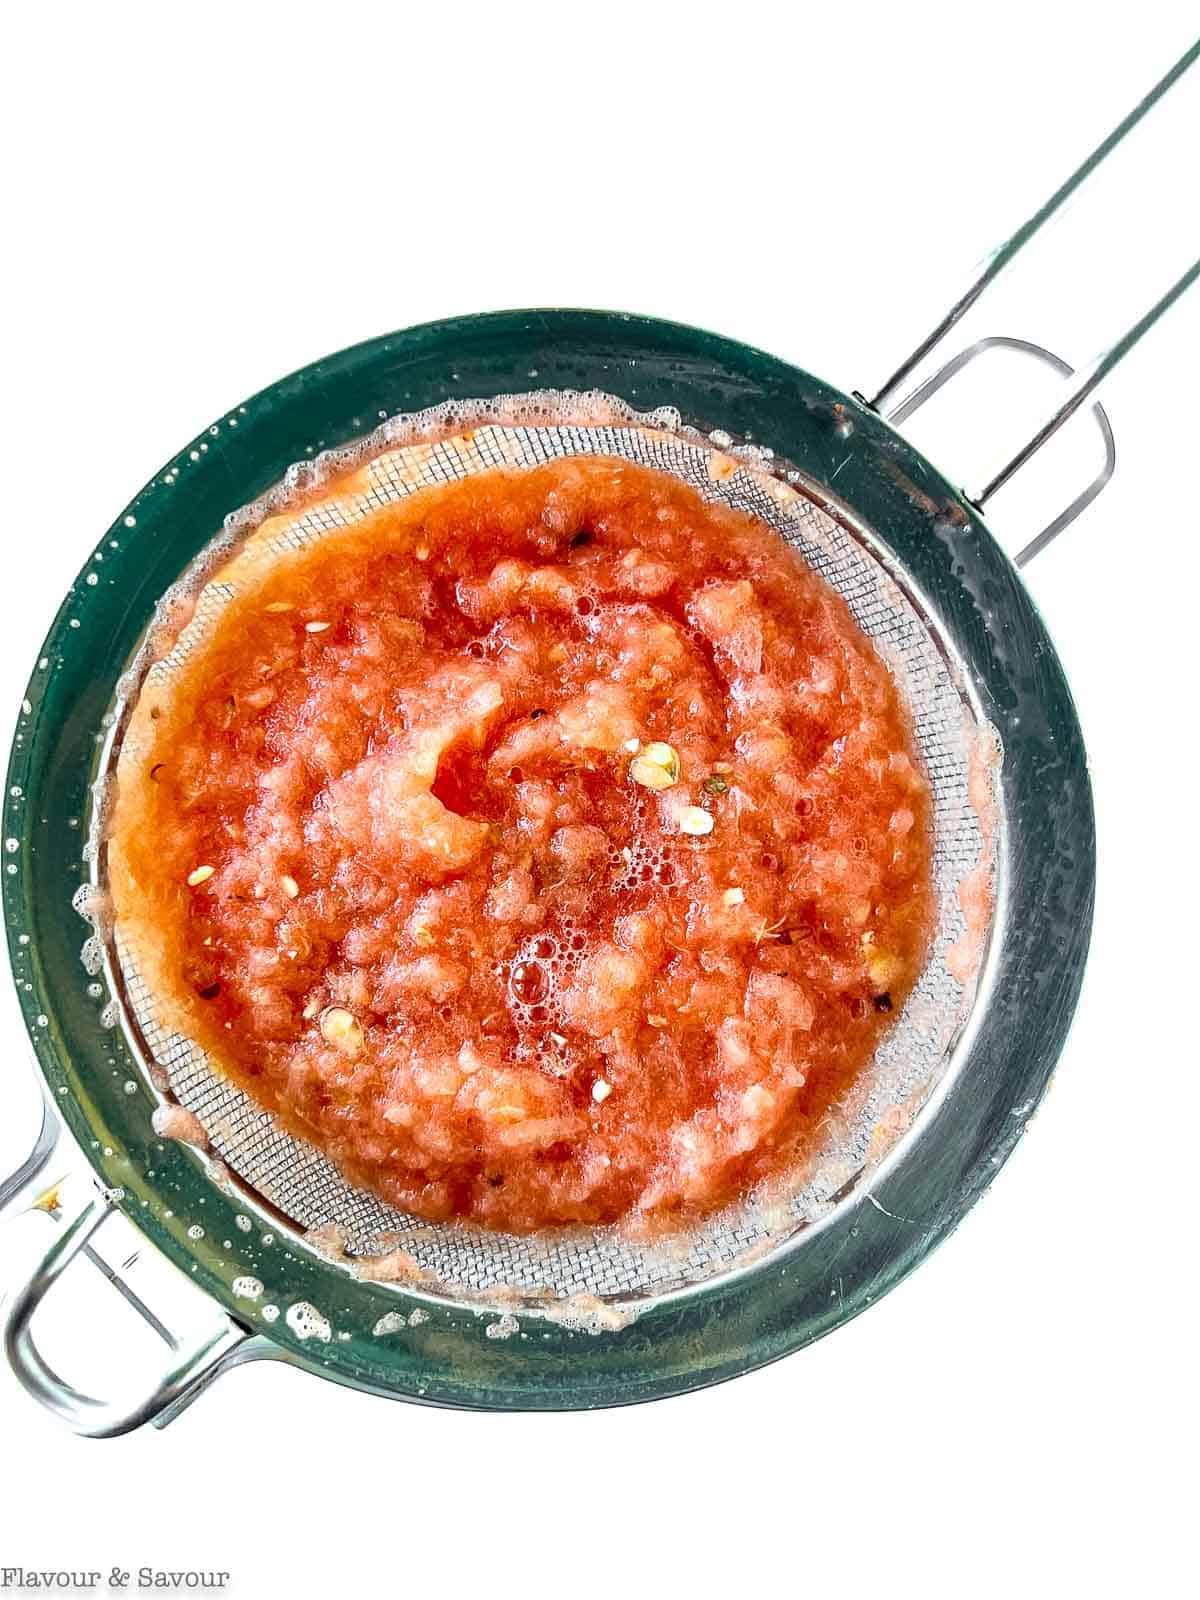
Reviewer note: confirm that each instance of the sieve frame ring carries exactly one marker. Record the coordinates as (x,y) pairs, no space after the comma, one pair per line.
(1003,1059)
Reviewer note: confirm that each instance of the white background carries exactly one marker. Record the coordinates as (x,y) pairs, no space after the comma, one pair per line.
(200,199)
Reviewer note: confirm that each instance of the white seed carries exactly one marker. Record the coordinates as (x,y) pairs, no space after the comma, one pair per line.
(199,876)
(289,886)
(341,1029)
(733,897)
(601,1090)
(316,627)
(632,745)
(311,1009)
(656,766)
(694,820)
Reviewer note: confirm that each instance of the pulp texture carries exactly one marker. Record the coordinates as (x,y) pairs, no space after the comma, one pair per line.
(549,847)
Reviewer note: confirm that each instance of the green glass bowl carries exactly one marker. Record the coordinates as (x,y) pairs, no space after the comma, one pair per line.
(825,1275)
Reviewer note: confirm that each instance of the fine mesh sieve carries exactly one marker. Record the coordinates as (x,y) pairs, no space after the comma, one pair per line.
(451,442)
(966,1063)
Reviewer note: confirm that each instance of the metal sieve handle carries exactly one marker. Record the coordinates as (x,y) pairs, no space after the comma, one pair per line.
(191,1364)
(1083,383)
(1080,503)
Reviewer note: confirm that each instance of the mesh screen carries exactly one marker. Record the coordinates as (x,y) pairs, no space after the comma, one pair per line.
(452,442)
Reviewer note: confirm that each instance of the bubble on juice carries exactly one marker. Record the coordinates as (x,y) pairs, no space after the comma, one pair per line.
(306,1322)
(539,974)
(390,1322)
(535,978)
(641,863)
(529,981)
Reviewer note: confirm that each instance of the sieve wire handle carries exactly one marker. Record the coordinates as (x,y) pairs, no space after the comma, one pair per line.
(1081,384)
(191,1362)
(951,368)
(1004,255)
